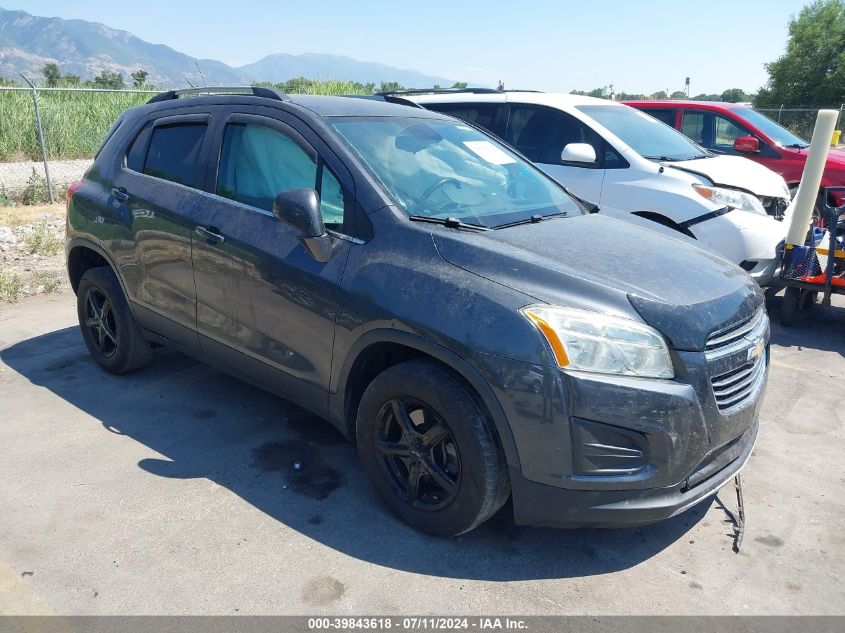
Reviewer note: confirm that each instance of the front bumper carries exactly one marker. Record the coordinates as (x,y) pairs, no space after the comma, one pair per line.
(541,505)
(765,271)
(612,450)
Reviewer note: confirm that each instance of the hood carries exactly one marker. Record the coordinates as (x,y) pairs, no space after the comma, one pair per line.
(614,267)
(736,172)
(835,157)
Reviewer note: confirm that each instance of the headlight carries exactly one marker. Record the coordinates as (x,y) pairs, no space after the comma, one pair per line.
(731,198)
(591,341)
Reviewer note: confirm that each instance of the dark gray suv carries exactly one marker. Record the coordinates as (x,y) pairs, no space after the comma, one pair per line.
(429,292)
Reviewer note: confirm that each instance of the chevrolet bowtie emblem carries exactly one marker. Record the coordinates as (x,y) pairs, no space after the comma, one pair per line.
(757,351)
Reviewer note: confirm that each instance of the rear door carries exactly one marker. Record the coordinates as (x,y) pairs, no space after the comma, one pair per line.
(157,187)
(541,133)
(266,307)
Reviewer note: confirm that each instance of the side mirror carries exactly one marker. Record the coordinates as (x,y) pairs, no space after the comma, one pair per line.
(746,144)
(578,153)
(301,209)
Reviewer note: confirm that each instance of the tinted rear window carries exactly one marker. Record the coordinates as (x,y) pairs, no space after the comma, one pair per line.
(174,153)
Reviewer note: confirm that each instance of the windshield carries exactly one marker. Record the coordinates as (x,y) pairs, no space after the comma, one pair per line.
(774,131)
(644,134)
(446,169)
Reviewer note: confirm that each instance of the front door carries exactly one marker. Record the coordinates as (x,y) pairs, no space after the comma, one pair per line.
(541,133)
(265,306)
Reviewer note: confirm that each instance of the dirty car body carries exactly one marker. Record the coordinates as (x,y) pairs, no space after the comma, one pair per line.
(412,271)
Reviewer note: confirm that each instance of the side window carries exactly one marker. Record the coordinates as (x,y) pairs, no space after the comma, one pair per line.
(542,133)
(331,200)
(174,153)
(257,162)
(481,114)
(726,133)
(699,127)
(662,114)
(138,150)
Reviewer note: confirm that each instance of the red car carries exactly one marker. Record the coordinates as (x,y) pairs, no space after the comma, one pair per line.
(735,128)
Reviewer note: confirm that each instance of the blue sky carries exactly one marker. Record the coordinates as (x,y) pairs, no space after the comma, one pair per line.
(555,45)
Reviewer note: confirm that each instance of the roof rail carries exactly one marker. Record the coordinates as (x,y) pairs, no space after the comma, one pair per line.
(387,98)
(429,91)
(254,91)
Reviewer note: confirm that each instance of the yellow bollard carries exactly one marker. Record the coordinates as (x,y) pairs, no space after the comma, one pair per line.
(835,140)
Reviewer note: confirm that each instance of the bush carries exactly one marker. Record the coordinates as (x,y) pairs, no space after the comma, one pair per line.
(42,241)
(10,287)
(35,191)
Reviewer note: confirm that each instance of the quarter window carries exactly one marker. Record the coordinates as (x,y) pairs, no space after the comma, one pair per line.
(174,153)
(482,114)
(258,162)
(667,116)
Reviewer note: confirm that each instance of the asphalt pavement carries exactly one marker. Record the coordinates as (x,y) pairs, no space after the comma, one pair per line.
(173,490)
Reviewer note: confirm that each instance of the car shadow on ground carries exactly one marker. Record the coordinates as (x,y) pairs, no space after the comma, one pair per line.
(299,470)
(815,327)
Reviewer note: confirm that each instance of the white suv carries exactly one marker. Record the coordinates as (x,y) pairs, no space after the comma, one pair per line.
(627,162)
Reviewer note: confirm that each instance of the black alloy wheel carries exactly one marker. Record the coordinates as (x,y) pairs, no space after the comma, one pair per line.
(418,453)
(100,319)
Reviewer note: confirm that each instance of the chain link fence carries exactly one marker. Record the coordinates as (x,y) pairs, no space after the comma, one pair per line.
(47,124)
(800,121)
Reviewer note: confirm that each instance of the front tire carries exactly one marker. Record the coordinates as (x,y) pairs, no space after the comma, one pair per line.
(430,449)
(109,330)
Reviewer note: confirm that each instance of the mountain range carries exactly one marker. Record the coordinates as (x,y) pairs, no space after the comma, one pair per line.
(84,48)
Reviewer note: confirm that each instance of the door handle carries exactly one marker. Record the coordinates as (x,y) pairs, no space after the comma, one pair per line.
(210,234)
(120,194)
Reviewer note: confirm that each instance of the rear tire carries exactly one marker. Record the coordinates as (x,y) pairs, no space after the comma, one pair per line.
(430,450)
(109,330)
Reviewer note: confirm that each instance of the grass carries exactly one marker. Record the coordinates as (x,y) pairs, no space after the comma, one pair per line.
(42,242)
(47,279)
(74,123)
(19,215)
(10,287)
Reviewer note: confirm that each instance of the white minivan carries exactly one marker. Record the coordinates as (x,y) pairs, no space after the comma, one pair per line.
(625,161)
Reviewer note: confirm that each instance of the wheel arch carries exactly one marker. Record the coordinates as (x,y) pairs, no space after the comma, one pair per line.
(83,255)
(379,349)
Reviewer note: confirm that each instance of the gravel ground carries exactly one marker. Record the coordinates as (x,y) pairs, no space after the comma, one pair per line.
(31,251)
(14,176)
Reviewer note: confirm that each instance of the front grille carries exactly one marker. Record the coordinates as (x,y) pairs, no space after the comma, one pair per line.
(737,336)
(734,388)
(737,356)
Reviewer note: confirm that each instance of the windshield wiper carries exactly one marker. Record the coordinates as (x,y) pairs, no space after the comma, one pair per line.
(798,145)
(667,159)
(534,219)
(452,223)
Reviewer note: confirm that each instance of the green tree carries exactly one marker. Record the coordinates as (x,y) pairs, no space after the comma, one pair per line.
(52,74)
(139,78)
(734,95)
(812,70)
(660,94)
(678,94)
(707,97)
(70,81)
(460,85)
(109,79)
(390,86)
